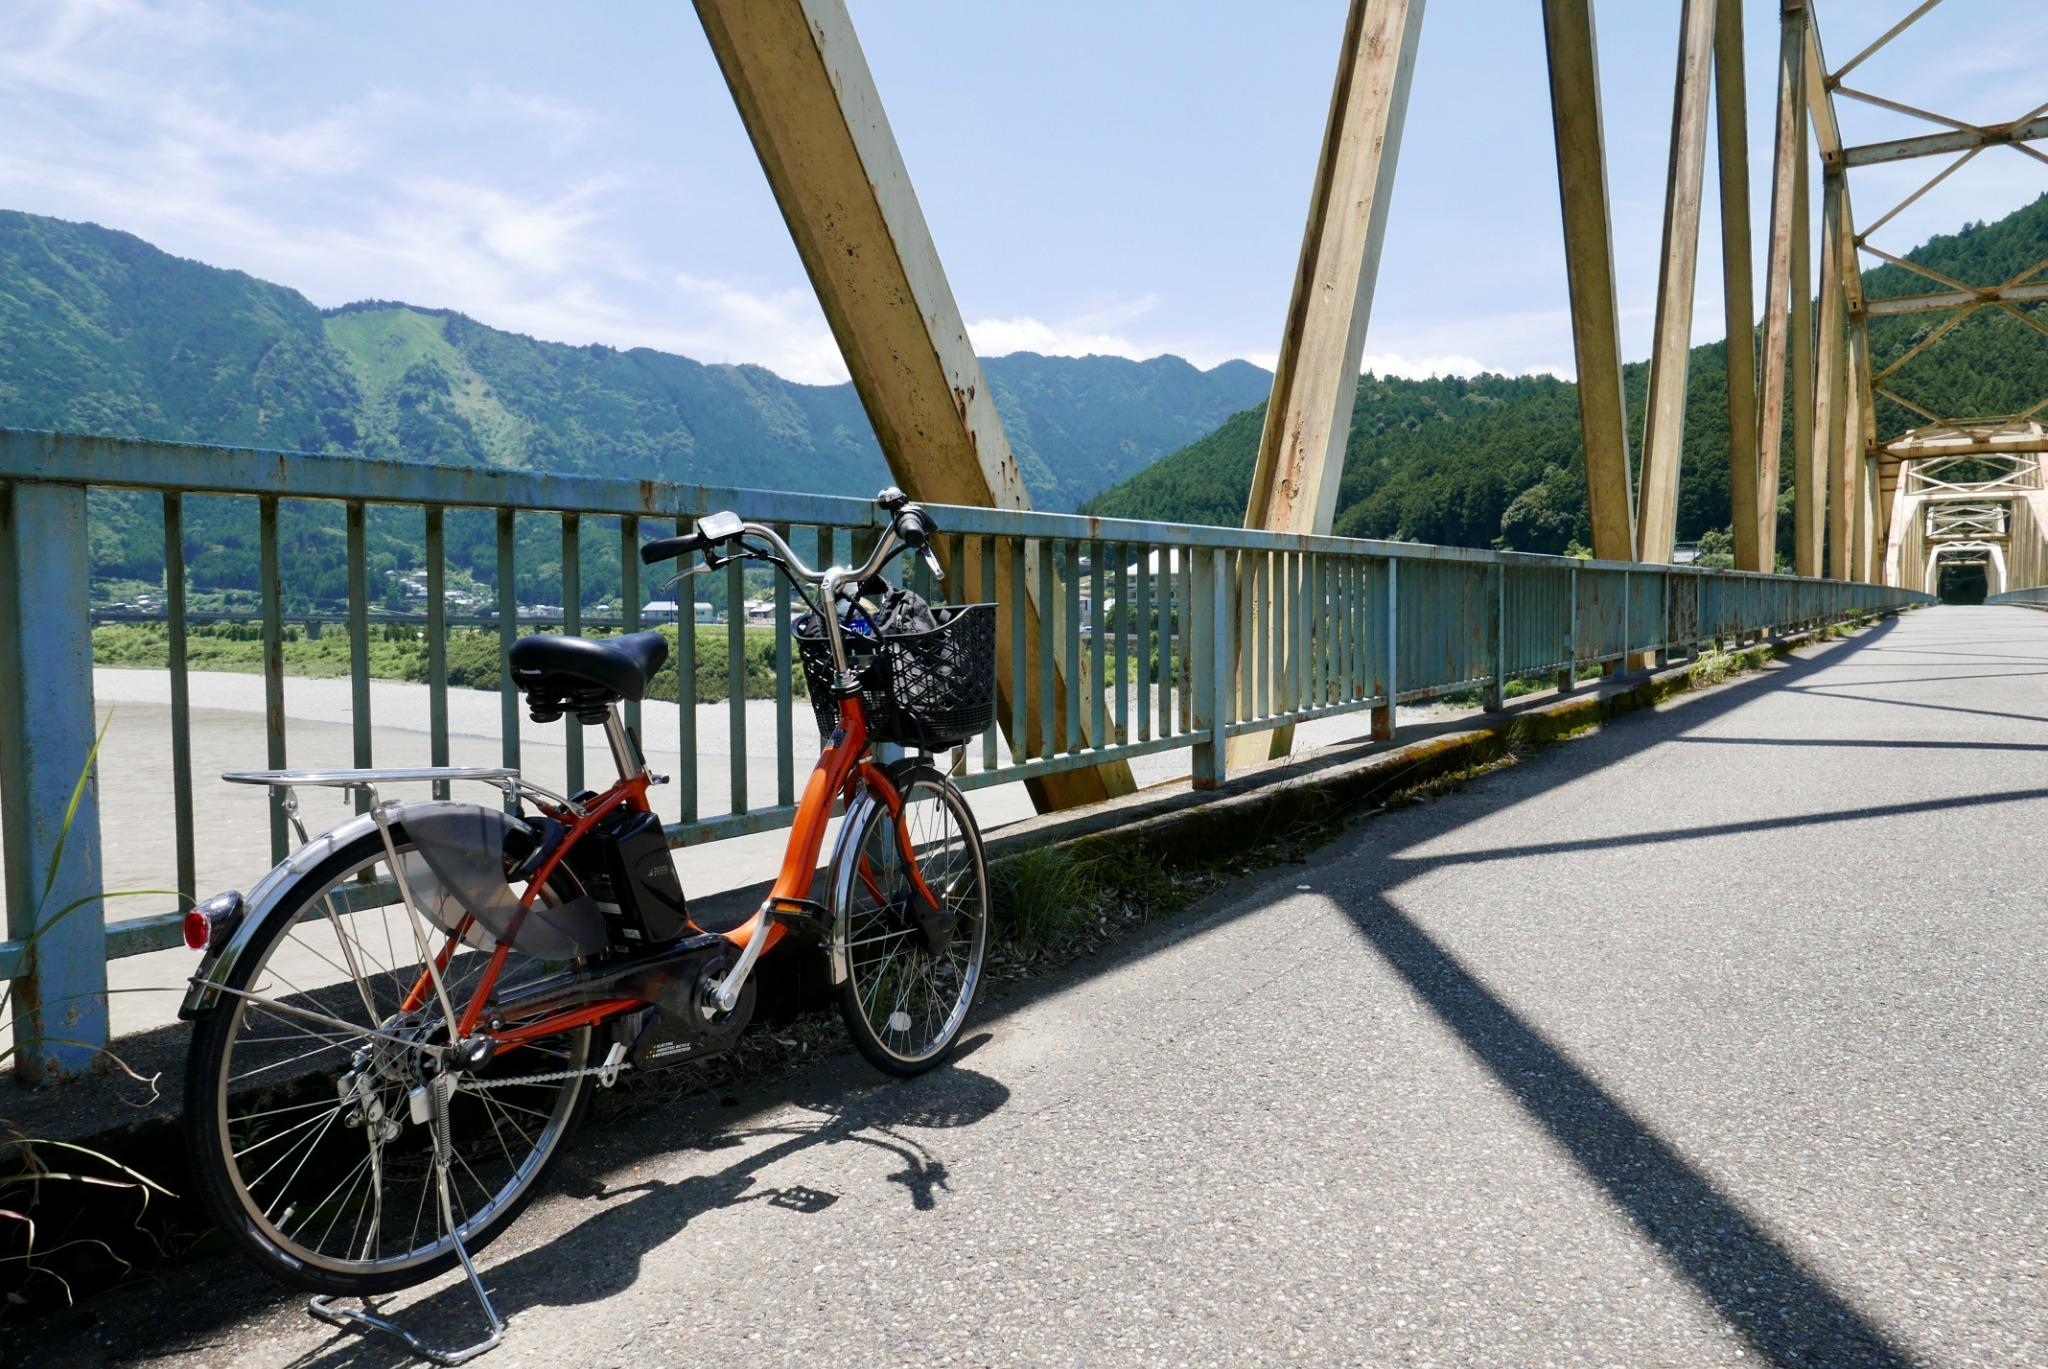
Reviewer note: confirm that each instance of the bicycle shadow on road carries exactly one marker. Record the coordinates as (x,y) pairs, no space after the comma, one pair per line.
(601,1256)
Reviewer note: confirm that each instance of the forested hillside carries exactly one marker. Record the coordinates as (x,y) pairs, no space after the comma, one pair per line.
(1496,460)
(108,335)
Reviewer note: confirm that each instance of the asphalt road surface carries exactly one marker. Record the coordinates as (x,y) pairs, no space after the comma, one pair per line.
(1715,1037)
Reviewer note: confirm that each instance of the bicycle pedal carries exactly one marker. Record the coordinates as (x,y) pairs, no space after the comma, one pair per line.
(801,915)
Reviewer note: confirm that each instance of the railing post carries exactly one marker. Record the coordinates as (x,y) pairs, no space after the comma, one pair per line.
(1212,662)
(1664,646)
(1568,678)
(1627,660)
(1496,692)
(1383,716)
(60,1004)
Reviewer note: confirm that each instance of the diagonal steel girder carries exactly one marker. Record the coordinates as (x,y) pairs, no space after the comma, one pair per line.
(815,116)
(1322,345)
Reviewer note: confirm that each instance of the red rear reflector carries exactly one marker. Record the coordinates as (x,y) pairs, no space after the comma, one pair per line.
(198,927)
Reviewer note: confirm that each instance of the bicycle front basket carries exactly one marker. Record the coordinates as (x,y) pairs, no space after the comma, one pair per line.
(927,690)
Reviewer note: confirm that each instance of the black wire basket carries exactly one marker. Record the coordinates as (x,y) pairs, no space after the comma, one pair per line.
(928,690)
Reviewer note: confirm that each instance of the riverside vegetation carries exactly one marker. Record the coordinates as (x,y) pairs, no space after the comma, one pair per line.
(399,652)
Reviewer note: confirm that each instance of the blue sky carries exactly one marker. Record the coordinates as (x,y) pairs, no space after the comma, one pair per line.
(1110,177)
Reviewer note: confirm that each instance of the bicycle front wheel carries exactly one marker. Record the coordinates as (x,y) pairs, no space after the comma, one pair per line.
(911,928)
(307,1088)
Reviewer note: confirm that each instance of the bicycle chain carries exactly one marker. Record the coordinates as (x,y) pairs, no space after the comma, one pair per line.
(479,1085)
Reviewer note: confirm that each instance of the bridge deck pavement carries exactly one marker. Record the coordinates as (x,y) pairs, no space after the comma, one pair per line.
(1714,1037)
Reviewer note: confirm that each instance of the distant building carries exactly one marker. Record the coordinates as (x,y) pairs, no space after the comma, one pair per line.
(707,612)
(659,611)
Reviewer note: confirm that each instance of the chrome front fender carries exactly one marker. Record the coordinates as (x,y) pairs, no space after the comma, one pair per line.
(839,881)
(260,902)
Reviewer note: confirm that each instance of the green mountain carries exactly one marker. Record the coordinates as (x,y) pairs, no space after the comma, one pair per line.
(106,334)
(1495,460)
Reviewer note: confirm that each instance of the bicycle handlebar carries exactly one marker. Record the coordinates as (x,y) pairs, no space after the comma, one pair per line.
(670,548)
(910,526)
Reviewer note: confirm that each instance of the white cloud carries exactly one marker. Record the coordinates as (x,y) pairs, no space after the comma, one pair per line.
(1001,336)
(1098,332)
(119,115)
(1395,365)
(127,113)
(784,330)
(1421,368)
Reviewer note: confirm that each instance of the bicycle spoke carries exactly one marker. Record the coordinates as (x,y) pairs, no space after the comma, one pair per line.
(295,1127)
(332,1198)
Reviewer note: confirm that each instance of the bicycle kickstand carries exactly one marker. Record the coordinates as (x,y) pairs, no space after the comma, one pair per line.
(323,1306)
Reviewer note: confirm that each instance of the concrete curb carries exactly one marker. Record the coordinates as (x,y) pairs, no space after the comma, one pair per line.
(1285,794)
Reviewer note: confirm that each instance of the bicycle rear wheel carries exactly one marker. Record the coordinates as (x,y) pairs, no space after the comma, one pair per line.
(307,1137)
(913,965)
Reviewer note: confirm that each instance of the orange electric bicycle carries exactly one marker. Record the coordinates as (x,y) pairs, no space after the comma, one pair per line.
(399,1028)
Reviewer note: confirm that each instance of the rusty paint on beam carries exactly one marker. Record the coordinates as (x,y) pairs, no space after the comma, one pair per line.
(1955,140)
(1739,313)
(1788,146)
(1832,393)
(1322,345)
(1574,69)
(1664,428)
(1809,500)
(816,120)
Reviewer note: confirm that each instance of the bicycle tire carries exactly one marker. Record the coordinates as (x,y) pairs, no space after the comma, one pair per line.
(208,1129)
(873,908)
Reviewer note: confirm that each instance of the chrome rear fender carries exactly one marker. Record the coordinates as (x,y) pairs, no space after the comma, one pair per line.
(259,904)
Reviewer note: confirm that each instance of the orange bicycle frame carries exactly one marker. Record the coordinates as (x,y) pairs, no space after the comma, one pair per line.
(842,768)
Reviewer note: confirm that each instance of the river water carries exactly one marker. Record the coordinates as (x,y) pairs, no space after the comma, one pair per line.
(138,833)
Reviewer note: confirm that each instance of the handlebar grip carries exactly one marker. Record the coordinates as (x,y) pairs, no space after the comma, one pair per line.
(669,548)
(914,526)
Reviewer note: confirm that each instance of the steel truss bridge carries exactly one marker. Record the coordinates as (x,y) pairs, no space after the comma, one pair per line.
(1223,639)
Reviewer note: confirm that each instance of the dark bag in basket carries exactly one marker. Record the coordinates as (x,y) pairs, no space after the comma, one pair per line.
(928,677)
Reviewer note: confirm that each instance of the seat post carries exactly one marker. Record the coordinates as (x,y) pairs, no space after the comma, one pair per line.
(623,751)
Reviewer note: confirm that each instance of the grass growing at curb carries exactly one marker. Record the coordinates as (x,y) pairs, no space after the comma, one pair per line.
(37,1253)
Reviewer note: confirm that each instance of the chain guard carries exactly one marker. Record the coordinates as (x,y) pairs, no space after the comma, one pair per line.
(683,1023)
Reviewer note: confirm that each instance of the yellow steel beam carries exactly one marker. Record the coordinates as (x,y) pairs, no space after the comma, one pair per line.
(2015,134)
(1315,380)
(1671,352)
(811,107)
(2026,292)
(1855,495)
(1832,397)
(1788,148)
(1732,122)
(1589,269)
(1809,500)
(1820,104)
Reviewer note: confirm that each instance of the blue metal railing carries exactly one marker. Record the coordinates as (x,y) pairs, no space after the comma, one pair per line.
(1155,637)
